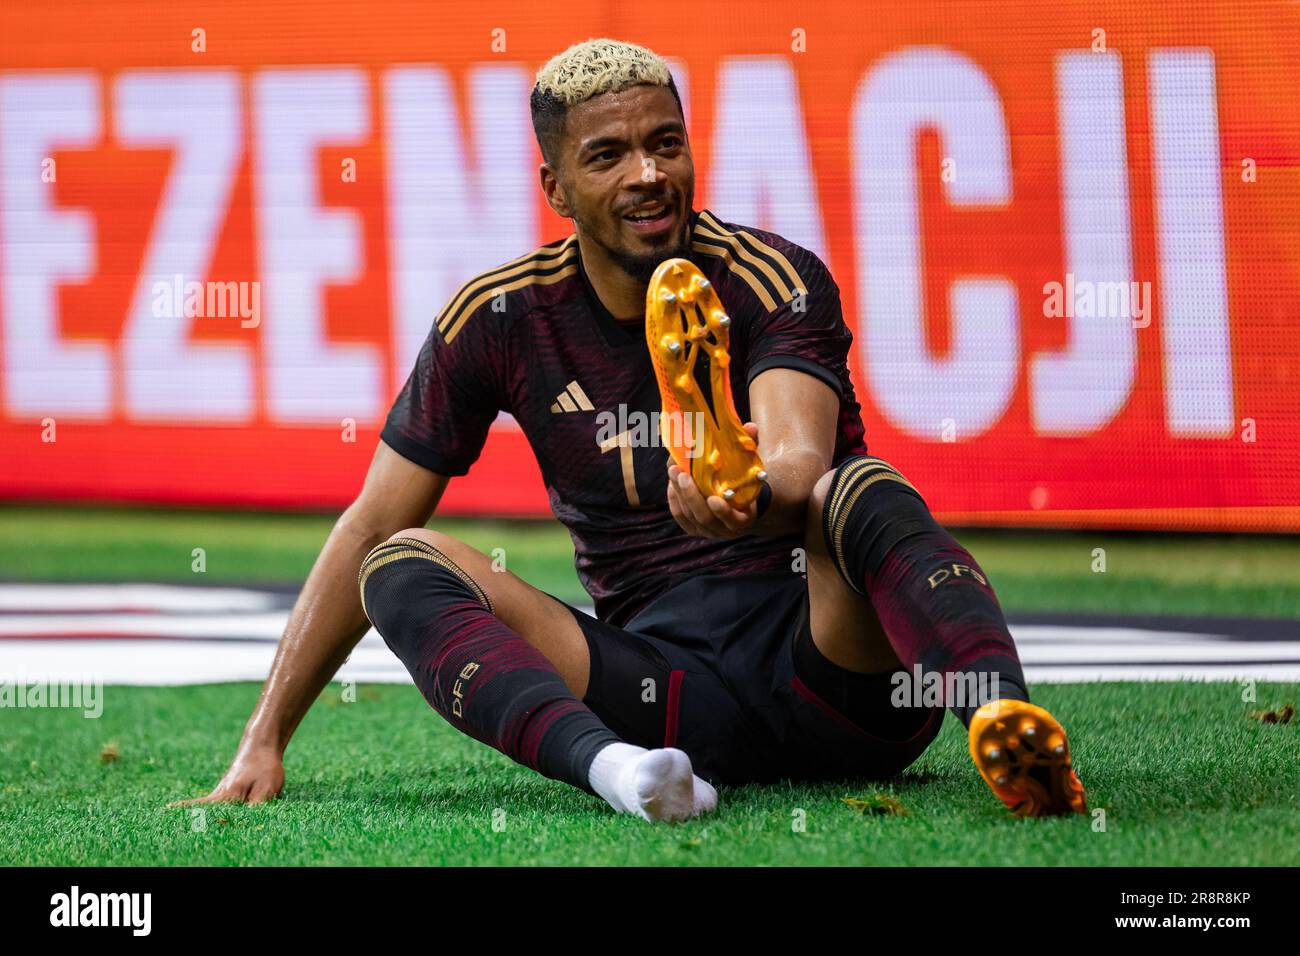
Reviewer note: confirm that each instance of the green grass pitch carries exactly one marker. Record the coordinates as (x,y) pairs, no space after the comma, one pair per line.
(1240,575)
(1182,773)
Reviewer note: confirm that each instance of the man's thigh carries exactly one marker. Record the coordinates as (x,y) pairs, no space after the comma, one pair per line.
(534,615)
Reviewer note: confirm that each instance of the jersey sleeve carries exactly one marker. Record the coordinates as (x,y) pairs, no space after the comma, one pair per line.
(440,419)
(806,333)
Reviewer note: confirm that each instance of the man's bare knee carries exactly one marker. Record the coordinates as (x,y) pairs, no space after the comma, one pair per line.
(816,507)
(465,558)
(443,542)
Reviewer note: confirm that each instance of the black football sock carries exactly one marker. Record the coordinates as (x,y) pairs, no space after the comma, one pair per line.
(933,600)
(486,680)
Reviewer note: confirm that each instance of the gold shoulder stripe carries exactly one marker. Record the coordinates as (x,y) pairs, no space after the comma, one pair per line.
(546,252)
(532,278)
(724,253)
(738,248)
(762,248)
(537,259)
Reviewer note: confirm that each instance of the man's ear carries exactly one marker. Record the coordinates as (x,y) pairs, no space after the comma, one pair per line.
(553,191)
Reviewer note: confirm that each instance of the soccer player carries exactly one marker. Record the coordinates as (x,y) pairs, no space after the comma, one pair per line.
(729,645)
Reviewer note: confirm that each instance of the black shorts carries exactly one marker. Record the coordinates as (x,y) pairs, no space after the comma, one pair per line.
(709,667)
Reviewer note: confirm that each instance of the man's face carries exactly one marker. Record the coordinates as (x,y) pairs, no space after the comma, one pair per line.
(627,173)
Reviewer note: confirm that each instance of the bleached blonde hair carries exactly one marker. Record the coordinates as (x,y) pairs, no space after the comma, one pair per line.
(589,69)
(593,67)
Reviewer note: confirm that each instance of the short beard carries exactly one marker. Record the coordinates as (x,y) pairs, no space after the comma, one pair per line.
(640,267)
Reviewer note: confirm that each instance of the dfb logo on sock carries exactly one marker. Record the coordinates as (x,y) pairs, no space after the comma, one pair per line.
(943,574)
(457,692)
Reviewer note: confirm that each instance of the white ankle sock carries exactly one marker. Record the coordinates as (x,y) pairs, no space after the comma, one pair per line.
(653,784)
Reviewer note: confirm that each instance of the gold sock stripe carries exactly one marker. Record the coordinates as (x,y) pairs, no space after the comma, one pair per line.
(762,248)
(450,565)
(377,552)
(837,512)
(849,475)
(399,548)
(837,533)
(373,564)
(844,480)
(481,288)
(844,500)
(751,280)
(852,481)
(845,477)
(570,269)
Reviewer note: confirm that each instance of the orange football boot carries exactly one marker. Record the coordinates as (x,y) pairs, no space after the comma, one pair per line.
(1022,754)
(685,318)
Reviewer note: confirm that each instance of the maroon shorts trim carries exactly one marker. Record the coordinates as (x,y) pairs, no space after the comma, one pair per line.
(807,693)
(674,707)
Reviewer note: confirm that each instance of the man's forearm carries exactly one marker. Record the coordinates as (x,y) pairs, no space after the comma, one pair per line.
(325,625)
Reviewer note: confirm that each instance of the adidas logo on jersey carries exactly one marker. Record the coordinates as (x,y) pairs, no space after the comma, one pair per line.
(572,399)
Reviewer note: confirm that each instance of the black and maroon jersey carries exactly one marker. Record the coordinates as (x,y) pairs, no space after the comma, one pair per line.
(532,338)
